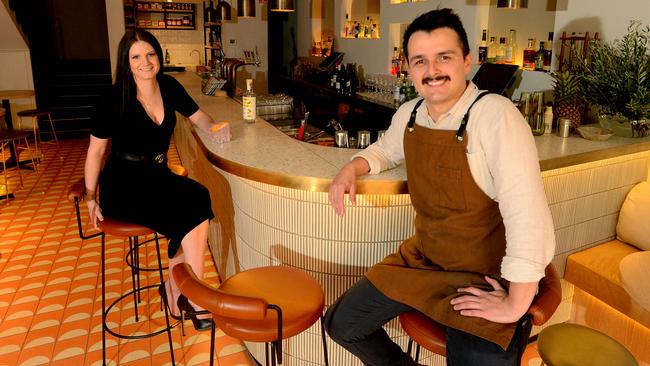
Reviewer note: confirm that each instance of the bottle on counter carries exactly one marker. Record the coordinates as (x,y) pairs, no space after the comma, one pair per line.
(492,51)
(529,55)
(548,52)
(548,119)
(249,103)
(168,58)
(539,57)
(511,48)
(483,48)
(501,51)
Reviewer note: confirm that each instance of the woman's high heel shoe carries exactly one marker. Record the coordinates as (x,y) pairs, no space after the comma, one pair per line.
(162,291)
(187,311)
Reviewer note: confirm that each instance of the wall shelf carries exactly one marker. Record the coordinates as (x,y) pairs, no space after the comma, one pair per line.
(159,15)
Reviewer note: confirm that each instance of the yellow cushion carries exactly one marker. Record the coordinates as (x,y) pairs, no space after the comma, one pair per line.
(596,271)
(635,276)
(634,219)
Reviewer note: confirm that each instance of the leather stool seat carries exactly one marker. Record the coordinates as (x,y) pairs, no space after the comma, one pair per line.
(116,227)
(424,331)
(573,344)
(240,305)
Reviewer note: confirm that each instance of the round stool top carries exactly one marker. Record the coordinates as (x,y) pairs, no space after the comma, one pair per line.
(575,345)
(33,113)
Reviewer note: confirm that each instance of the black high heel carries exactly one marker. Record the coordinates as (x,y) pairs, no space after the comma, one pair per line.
(187,311)
(162,291)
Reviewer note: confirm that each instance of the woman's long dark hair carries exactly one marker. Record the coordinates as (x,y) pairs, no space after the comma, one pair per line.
(124,83)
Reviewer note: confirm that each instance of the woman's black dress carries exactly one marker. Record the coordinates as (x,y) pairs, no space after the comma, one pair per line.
(136,187)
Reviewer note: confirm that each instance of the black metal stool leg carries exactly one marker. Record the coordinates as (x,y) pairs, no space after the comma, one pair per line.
(136,245)
(213,331)
(162,281)
(103,300)
(417,352)
(322,333)
(135,287)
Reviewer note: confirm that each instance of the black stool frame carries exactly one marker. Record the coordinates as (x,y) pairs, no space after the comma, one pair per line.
(133,245)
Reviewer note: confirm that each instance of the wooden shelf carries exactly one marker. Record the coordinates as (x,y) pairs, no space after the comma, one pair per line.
(161,14)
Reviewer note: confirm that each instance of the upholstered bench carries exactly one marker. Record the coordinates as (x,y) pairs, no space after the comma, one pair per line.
(616,272)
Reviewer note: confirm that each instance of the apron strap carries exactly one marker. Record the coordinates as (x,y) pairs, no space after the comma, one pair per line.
(409,126)
(463,125)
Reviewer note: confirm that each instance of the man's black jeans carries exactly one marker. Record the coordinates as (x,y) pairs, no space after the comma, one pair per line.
(355,322)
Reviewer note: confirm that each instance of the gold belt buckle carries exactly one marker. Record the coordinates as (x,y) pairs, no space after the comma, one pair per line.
(159,159)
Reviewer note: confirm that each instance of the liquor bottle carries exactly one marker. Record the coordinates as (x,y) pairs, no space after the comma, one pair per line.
(249,103)
(482,48)
(346,32)
(548,119)
(168,57)
(394,65)
(501,51)
(354,80)
(529,55)
(548,52)
(403,64)
(511,48)
(539,57)
(492,51)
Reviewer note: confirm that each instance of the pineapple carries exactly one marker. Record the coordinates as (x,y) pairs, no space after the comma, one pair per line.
(568,96)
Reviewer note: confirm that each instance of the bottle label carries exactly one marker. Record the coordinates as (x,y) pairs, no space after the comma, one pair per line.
(250,108)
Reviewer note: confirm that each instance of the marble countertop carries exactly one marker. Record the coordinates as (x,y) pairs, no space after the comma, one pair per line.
(259,151)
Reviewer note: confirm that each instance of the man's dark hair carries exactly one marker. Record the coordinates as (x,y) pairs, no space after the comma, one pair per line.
(439,18)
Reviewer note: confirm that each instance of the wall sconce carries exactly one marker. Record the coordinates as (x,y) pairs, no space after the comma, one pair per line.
(223,11)
(282,5)
(512,4)
(246,8)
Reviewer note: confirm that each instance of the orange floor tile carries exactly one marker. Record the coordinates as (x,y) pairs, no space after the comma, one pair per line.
(50,287)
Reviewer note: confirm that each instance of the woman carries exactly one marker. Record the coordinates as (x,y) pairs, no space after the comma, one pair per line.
(136,184)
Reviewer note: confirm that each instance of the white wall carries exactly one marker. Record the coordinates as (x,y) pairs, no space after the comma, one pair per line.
(15,64)
(115,29)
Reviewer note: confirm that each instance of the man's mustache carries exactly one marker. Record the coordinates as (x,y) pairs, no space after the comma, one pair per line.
(427,79)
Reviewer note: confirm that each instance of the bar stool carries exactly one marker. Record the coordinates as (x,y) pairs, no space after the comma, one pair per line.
(240,305)
(131,231)
(10,137)
(432,335)
(572,344)
(35,114)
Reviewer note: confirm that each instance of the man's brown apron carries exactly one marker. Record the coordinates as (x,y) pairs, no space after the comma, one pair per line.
(459,234)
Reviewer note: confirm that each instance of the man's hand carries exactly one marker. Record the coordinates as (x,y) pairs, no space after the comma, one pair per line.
(497,306)
(345,181)
(95,212)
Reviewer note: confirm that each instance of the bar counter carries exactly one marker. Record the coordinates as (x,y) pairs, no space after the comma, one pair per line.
(269,195)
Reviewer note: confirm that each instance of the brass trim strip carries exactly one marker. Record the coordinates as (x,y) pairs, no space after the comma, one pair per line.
(298,182)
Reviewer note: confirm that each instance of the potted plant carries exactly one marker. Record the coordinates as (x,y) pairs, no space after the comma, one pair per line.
(616,77)
(568,97)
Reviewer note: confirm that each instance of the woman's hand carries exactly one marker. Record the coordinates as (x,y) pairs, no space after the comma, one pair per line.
(497,306)
(220,132)
(95,212)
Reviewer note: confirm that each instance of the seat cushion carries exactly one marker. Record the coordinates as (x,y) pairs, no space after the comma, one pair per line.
(634,217)
(596,271)
(299,295)
(635,276)
(424,331)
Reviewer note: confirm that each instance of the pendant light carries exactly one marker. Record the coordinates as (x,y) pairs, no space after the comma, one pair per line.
(282,5)
(246,8)
(223,11)
(512,4)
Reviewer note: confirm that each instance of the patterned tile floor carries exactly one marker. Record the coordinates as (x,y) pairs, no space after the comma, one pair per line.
(50,294)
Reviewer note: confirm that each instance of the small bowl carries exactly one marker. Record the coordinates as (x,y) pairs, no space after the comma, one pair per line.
(595,133)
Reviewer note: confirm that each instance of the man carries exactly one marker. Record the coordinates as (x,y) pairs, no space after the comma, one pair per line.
(484,233)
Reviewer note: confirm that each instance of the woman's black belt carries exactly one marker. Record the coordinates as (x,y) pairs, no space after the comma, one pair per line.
(142,159)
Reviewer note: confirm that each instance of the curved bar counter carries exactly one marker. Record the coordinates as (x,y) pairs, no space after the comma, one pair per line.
(269,195)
